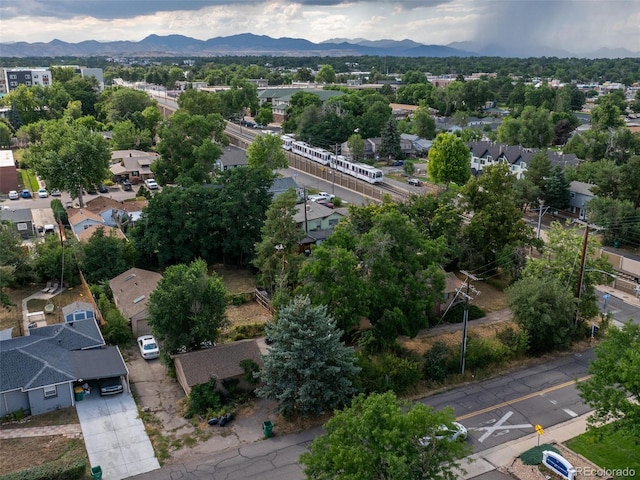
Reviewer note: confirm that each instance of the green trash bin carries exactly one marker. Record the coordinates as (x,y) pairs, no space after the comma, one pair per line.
(267,428)
(79,392)
(96,473)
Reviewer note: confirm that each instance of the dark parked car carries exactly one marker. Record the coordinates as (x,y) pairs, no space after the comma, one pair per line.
(103,189)
(416,182)
(110,386)
(126,186)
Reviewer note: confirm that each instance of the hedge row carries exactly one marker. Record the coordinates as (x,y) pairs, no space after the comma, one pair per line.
(63,469)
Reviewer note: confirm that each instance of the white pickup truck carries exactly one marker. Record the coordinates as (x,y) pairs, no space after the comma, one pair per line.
(320,196)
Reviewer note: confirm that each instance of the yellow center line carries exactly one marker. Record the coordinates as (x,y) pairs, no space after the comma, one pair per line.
(525,397)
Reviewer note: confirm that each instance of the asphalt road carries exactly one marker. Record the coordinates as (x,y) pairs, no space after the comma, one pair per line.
(620,310)
(495,411)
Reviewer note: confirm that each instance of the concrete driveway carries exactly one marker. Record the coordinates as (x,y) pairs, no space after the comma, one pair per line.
(114,436)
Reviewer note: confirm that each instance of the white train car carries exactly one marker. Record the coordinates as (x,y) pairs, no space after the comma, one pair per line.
(359,170)
(286,142)
(316,154)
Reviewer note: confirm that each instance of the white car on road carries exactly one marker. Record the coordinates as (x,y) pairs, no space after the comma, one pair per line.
(42,193)
(321,196)
(13,195)
(454,433)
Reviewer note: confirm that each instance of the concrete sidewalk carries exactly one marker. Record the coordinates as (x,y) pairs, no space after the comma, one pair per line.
(503,455)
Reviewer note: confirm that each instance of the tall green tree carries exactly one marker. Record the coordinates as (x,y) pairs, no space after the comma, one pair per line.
(308,370)
(539,169)
(121,103)
(449,159)
(390,430)
(356,146)
(423,123)
(14,260)
(189,146)
(187,308)
(606,114)
(390,142)
(544,309)
(612,390)
(49,264)
(556,189)
(326,74)
(70,157)
(277,255)
(94,254)
(125,135)
(266,152)
(561,260)
(496,226)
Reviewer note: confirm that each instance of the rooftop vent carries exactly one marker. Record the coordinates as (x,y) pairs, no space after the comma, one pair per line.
(129,277)
(139,299)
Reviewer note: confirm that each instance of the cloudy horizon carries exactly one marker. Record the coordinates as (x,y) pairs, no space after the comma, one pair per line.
(573,25)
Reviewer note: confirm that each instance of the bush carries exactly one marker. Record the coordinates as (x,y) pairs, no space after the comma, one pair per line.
(438,361)
(248,331)
(516,341)
(204,397)
(456,313)
(387,372)
(237,300)
(63,469)
(116,329)
(59,212)
(250,368)
(483,352)
(533,456)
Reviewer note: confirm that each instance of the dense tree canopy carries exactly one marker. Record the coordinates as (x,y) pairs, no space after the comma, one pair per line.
(391,431)
(307,369)
(187,308)
(105,256)
(612,389)
(449,160)
(70,157)
(189,146)
(219,223)
(266,152)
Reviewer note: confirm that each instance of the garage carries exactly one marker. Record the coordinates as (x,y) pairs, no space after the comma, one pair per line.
(114,435)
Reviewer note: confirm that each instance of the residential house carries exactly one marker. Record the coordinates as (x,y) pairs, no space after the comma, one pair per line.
(85,235)
(580,196)
(317,221)
(38,372)
(281,185)
(132,165)
(221,362)
(485,153)
(22,218)
(80,219)
(452,284)
(232,157)
(115,213)
(8,172)
(280,99)
(131,291)
(372,147)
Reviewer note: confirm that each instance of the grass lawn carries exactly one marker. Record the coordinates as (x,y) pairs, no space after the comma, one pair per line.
(29,180)
(609,449)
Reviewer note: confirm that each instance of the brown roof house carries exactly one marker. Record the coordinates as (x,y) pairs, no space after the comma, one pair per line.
(131,291)
(85,235)
(221,362)
(133,165)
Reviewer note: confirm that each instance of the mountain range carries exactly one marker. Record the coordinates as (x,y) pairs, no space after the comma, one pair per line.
(249,44)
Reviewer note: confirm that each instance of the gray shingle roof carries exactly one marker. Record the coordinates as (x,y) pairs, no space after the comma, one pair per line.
(221,361)
(42,358)
(516,154)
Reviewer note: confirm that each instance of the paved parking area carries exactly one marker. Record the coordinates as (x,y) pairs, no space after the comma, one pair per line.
(114,436)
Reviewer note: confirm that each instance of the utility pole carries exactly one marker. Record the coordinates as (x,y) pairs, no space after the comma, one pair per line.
(583,262)
(542,210)
(465,318)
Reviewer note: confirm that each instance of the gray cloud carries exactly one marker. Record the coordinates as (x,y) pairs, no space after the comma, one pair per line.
(112,9)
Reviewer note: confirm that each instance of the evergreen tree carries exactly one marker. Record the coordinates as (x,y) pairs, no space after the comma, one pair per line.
(308,369)
(557,193)
(390,143)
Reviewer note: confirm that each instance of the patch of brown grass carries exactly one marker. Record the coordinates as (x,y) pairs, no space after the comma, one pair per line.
(64,416)
(21,453)
(236,280)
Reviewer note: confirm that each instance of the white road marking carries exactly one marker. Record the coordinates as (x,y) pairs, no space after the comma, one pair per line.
(571,413)
(499,425)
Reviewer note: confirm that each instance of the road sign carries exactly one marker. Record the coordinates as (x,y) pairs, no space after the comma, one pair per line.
(539,429)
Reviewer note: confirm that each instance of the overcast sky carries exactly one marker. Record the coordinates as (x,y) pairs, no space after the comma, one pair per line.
(574,25)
